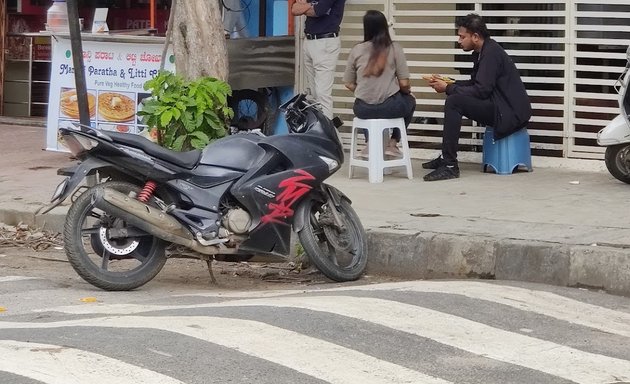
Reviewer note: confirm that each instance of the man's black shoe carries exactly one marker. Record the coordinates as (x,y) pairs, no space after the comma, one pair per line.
(434,164)
(444,172)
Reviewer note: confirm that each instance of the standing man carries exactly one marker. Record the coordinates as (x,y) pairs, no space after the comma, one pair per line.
(322,46)
(494,96)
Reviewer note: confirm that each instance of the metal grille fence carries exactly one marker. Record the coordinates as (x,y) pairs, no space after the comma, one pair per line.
(569,53)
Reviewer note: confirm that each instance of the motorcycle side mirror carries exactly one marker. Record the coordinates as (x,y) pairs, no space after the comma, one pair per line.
(292,102)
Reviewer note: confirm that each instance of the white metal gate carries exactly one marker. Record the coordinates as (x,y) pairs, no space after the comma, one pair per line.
(569,52)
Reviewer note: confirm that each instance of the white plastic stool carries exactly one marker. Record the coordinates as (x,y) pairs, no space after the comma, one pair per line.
(376,164)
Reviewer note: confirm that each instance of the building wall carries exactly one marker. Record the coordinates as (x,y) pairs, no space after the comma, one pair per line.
(570,54)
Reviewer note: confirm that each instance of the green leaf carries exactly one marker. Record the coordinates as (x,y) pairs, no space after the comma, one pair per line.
(198,144)
(221,132)
(176,113)
(179,142)
(201,136)
(148,108)
(213,120)
(227,112)
(166,118)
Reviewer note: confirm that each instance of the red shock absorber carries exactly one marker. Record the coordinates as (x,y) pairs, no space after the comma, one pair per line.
(147,191)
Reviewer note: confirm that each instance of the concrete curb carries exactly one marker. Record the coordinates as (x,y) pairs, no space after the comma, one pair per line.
(52,221)
(23,121)
(427,255)
(437,256)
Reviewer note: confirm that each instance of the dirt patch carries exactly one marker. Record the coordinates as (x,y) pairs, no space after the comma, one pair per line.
(178,274)
(28,252)
(52,264)
(24,236)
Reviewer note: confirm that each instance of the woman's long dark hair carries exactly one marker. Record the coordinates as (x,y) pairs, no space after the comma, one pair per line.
(376,30)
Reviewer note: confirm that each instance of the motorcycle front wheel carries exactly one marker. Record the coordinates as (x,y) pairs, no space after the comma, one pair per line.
(617,160)
(112,263)
(339,252)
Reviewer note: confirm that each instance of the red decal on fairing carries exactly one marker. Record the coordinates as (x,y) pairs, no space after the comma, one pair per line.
(293,190)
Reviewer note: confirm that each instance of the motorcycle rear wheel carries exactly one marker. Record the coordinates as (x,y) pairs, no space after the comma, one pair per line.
(111,264)
(340,254)
(617,160)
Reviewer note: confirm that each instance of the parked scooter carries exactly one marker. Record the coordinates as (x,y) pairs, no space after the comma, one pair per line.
(616,135)
(241,195)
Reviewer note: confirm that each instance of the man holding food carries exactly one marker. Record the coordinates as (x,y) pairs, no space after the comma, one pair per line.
(494,96)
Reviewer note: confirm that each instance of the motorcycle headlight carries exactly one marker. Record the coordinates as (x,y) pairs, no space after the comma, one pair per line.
(78,144)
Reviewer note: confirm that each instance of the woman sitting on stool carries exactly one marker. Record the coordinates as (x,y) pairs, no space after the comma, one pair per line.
(378,75)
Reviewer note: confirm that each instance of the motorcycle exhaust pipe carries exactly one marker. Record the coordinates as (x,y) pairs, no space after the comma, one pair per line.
(147,218)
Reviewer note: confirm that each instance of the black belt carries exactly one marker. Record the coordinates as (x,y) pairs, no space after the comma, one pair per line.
(321,35)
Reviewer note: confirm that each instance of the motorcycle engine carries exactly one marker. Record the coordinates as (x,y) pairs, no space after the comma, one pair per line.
(237,221)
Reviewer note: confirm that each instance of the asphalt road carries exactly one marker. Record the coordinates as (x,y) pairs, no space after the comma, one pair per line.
(54,328)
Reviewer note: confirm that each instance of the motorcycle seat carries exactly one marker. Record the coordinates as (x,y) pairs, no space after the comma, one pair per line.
(186,160)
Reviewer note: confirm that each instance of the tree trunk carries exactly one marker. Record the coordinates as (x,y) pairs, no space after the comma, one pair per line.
(199,40)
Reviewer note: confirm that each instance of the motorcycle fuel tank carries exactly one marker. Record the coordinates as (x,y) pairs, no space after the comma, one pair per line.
(238,152)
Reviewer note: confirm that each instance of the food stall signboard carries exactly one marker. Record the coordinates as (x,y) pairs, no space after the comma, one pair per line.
(115,75)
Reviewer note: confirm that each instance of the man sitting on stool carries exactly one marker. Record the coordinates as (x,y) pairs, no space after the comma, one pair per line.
(494,96)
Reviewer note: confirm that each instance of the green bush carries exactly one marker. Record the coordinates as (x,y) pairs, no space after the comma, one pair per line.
(186,114)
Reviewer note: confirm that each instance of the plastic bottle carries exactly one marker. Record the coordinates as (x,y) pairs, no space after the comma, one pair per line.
(57,18)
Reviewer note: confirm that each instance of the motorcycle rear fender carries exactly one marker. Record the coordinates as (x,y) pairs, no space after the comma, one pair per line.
(75,175)
(616,132)
(335,195)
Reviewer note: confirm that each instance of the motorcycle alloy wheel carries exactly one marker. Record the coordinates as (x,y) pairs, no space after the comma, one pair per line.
(617,160)
(112,264)
(339,253)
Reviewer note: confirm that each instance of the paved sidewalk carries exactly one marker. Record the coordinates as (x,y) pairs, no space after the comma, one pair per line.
(553,225)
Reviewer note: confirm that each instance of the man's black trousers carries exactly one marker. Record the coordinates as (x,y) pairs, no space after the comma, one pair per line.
(457,106)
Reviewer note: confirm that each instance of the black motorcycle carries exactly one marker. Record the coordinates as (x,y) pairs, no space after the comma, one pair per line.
(241,195)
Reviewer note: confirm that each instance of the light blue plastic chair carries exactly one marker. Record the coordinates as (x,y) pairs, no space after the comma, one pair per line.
(505,155)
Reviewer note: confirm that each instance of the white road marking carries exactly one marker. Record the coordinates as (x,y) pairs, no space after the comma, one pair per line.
(541,302)
(311,356)
(477,338)
(541,355)
(54,364)
(7,279)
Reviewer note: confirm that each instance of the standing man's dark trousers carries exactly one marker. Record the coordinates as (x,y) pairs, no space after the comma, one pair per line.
(456,107)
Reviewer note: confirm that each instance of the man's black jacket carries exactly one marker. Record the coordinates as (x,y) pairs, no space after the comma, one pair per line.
(495,77)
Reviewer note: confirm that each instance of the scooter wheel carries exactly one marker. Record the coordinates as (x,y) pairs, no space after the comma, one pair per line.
(617,160)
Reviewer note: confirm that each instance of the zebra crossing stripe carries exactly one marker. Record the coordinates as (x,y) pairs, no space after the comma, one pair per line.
(54,364)
(541,302)
(484,340)
(555,359)
(309,355)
